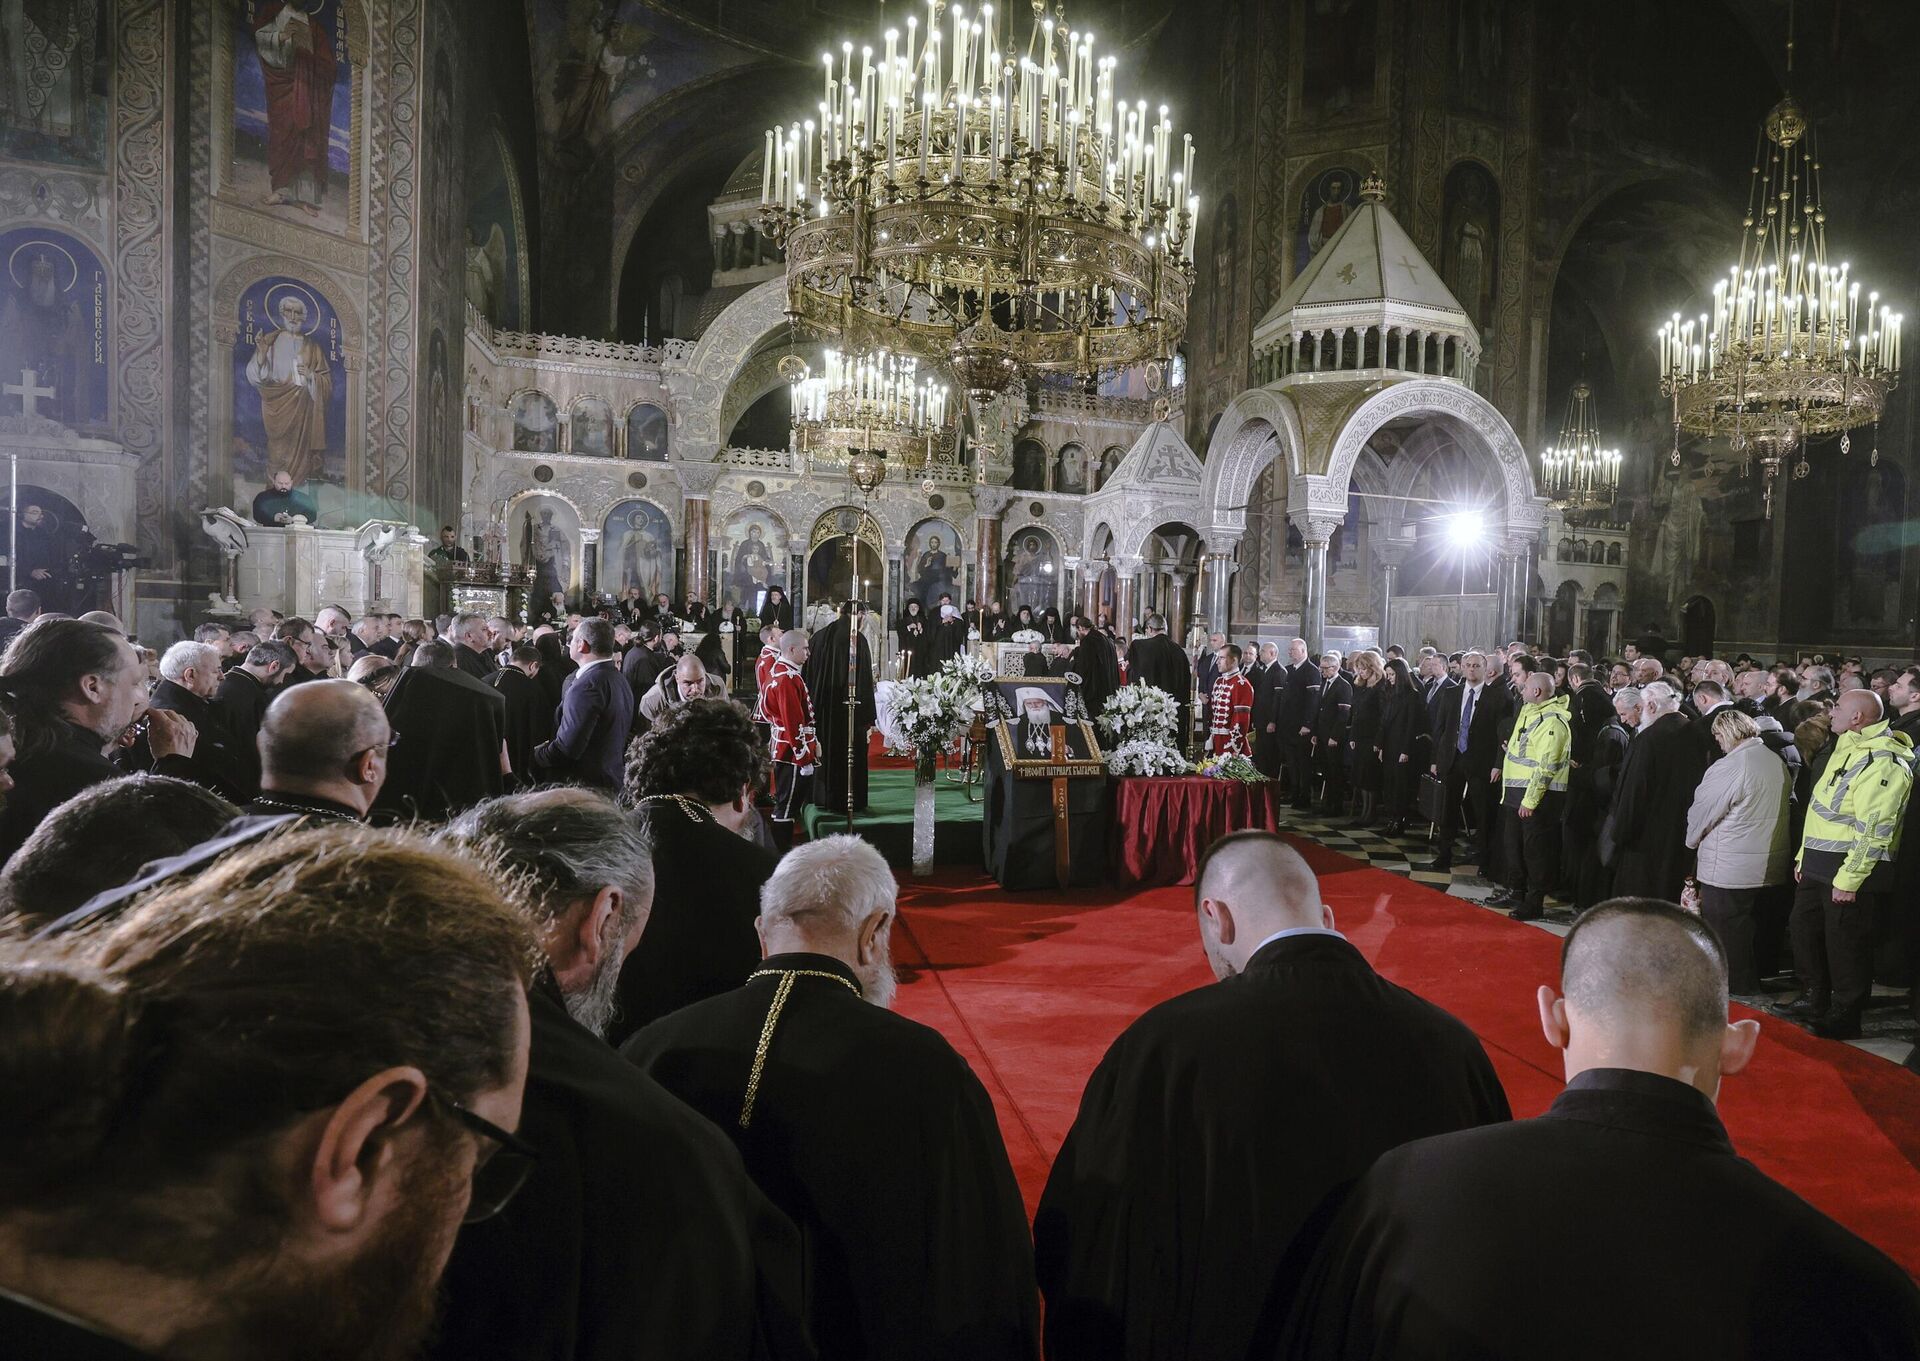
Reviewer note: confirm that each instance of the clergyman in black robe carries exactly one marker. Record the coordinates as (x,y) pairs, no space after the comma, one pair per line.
(528,716)
(699,939)
(677,1255)
(1094,662)
(1621,1223)
(1158,660)
(867,1128)
(1184,1202)
(448,732)
(826,677)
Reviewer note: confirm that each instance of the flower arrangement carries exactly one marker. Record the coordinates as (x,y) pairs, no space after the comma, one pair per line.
(1231,766)
(1140,712)
(1142,756)
(923,715)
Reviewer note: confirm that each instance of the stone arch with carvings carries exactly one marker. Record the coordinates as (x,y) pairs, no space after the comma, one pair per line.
(1159,479)
(727,347)
(1257,427)
(1474,422)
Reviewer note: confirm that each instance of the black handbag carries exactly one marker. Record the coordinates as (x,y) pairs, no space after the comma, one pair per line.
(1433,799)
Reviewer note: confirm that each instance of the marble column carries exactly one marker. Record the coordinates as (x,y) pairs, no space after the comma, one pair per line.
(1313,607)
(1125,570)
(1218,606)
(1092,571)
(1503,598)
(697,510)
(989,504)
(1177,609)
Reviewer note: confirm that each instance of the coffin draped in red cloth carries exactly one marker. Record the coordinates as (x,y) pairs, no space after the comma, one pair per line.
(1163,825)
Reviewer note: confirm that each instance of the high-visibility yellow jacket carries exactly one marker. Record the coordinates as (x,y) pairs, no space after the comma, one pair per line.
(1538,753)
(1853,818)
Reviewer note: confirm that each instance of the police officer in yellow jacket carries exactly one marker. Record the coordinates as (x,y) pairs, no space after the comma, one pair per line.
(1533,780)
(1846,864)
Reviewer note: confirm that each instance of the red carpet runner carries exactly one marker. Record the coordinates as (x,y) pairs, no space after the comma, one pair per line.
(1032,988)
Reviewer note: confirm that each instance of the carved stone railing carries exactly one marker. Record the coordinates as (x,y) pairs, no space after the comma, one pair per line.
(578,349)
(1092,406)
(777,460)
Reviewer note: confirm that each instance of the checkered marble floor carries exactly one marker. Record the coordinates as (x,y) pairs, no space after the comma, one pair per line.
(1890,1029)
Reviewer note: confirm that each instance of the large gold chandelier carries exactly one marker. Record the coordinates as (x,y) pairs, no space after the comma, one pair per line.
(1788,350)
(1576,471)
(992,210)
(867,408)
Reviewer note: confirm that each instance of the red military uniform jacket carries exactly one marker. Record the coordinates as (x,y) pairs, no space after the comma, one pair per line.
(762,673)
(1231,715)
(788,710)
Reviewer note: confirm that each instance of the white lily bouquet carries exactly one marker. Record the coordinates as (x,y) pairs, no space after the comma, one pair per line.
(1140,712)
(922,715)
(1142,756)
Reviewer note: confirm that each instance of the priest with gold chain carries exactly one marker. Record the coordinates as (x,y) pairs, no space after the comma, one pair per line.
(866,1128)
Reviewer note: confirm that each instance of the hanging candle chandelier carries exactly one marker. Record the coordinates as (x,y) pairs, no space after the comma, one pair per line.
(1788,349)
(997,209)
(866,408)
(1576,471)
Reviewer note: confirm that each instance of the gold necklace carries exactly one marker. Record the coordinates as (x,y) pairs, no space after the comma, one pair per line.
(694,811)
(780,994)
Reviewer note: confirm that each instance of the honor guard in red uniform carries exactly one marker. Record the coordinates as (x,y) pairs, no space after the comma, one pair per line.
(1231,711)
(787,709)
(763,668)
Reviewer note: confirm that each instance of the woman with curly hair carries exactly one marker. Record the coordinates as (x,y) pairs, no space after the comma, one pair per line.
(691,782)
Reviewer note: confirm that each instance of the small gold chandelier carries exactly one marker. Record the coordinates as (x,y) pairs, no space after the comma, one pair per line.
(1576,472)
(1787,350)
(977,207)
(865,408)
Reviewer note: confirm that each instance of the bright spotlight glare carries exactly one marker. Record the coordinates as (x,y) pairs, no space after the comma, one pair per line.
(1465,530)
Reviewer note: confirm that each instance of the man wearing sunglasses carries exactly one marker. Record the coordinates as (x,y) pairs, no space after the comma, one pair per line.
(639,1233)
(247,1117)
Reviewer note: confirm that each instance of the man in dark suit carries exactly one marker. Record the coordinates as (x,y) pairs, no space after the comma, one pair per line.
(1619,1223)
(637,1232)
(1293,720)
(1206,667)
(596,715)
(1469,726)
(1330,716)
(1159,661)
(1168,1229)
(1268,756)
(1663,768)
(645,660)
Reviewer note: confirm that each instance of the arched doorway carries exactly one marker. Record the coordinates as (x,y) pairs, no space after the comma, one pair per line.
(1601,614)
(843,551)
(1696,627)
(1170,575)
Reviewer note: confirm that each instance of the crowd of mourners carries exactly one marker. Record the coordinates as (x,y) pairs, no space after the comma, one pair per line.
(375,988)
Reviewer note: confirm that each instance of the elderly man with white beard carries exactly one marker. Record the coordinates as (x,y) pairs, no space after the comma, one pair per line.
(865,1127)
(638,1233)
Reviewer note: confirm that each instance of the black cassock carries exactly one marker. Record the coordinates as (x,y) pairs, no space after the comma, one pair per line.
(1619,1224)
(1093,661)
(445,752)
(529,719)
(699,939)
(1158,660)
(946,638)
(1649,820)
(880,1143)
(1211,1134)
(638,1236)
(826,677)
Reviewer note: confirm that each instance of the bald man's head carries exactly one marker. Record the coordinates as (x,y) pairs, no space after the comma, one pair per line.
(1250,885)
(1639,960)
(1539,688)
(1856,709)
(315,732)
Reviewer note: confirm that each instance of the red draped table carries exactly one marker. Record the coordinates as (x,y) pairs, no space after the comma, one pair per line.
(1162,825)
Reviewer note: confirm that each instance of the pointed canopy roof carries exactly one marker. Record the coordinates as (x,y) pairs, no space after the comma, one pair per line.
(1369,274)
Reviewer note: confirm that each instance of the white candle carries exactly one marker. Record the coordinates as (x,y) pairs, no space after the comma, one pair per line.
(766,170)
